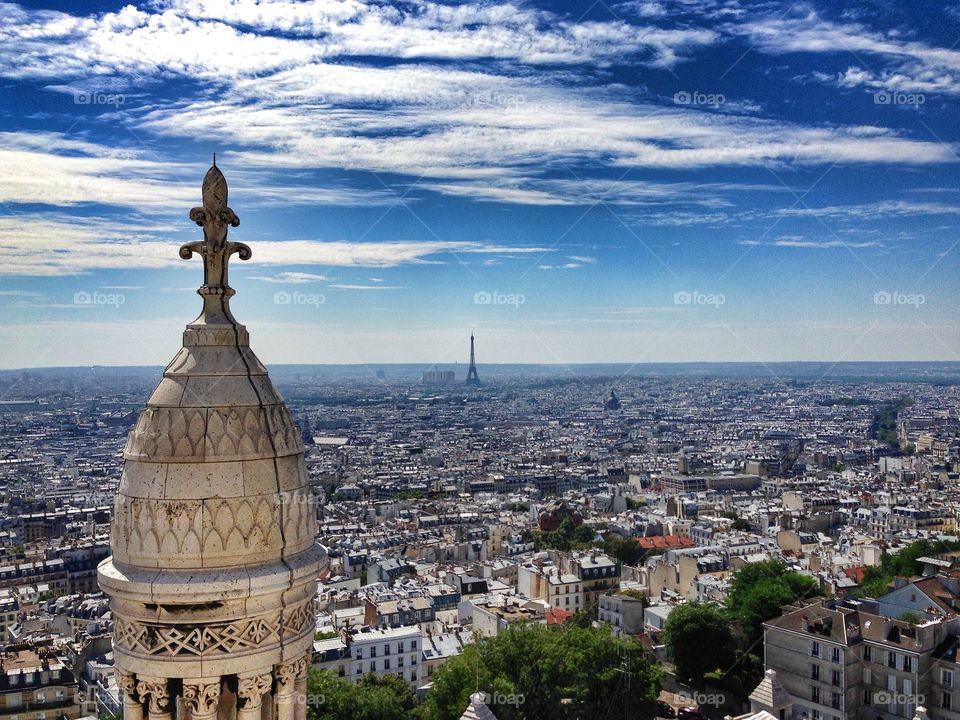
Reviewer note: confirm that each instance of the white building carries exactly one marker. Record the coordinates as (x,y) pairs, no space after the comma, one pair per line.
(387,651)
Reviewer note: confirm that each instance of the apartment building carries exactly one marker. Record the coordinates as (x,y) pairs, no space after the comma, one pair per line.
(36,685)
(386,651)
(842,663)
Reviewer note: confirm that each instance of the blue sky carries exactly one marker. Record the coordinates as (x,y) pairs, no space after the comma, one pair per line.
(650,180)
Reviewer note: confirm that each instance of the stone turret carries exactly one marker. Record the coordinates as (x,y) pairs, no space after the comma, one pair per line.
(212,579)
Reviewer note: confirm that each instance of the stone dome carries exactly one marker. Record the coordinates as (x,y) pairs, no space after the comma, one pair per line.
(214,558)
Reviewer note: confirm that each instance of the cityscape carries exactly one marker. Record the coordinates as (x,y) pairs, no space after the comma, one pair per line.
(572,361)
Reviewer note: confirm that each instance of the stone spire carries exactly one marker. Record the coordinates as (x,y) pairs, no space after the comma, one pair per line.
(212,580)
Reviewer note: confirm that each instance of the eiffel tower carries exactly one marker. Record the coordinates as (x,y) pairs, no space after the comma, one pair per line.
(472,377)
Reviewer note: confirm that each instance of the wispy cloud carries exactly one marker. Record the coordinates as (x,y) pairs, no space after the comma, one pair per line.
(295,278)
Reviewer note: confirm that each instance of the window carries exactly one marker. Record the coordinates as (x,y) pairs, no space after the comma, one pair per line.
(814,672)
(868,653)
(386,664)
(815,649)
(373,666)
(413,644)
(815,715)
(946,701)
(908,663)
(892,660)
(400,661)
(837,655)
(386,649)
(835,701)
(946,678)
(359,669)
(868,697)
(836,678)
(400,646)
(373,651)
(815,694)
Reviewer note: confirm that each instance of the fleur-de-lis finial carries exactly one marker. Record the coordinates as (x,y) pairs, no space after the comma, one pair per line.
(215,217)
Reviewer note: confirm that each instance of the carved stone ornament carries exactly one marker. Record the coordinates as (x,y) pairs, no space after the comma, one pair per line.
(252,689)
(157,692)
(288,673)
(201,698)
(127,682)
(215,218)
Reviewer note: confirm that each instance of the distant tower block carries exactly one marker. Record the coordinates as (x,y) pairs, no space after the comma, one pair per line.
(472,377)
(213,577)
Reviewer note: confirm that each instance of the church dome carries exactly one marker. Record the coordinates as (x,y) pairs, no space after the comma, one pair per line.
(214,558)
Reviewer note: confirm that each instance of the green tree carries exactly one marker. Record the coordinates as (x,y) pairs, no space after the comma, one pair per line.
(699,641)
(759,590)
(386,697)
(536,672)
(584,534)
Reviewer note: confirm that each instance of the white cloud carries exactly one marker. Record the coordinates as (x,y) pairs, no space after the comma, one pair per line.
(296,278)
(38,244)
(911,65)
(346,286)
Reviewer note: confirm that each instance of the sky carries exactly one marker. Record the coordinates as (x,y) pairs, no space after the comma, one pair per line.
(636,181)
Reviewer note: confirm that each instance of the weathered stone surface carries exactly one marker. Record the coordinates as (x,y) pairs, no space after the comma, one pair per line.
(214,566)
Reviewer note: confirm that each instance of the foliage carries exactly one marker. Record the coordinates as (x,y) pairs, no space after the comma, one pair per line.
(757,593)
(759,590)
(386,697)
(571,537)
(328,635)
(904,564)
(584,534)
(884,425)
(699,641)
(536,672)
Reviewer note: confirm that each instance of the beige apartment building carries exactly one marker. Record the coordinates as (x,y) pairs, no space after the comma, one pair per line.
(841,663)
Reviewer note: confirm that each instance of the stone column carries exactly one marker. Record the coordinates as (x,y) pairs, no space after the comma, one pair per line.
(202,697)
(300,687)
(157,692)
(251,691)
(286,698)
(132,707)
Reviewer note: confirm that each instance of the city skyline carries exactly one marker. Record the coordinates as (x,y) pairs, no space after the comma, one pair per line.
(638,182)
